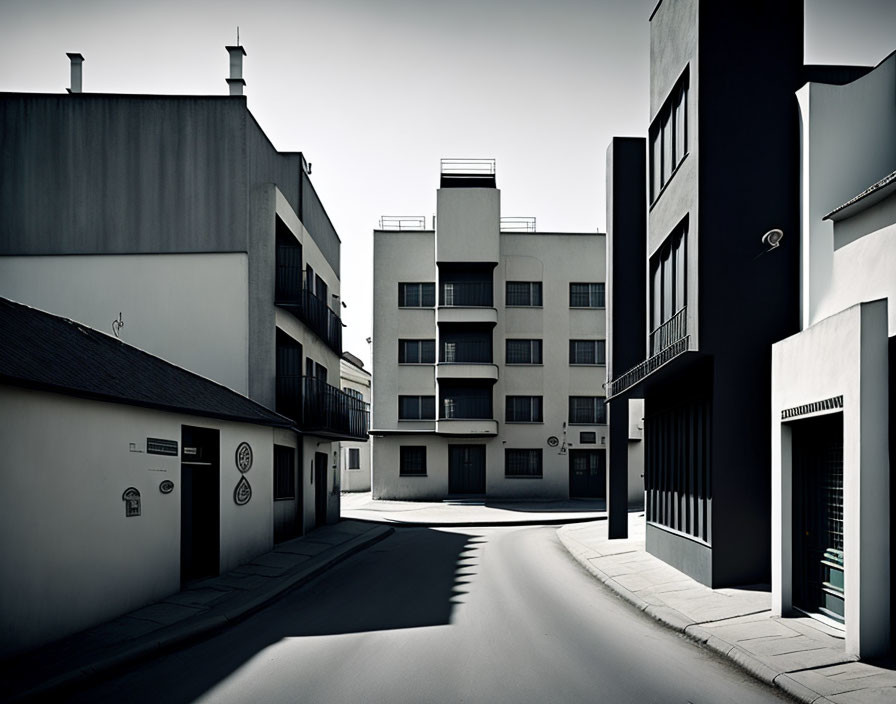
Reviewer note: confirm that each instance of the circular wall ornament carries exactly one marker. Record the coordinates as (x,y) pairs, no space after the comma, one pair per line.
(166,487)
(553,441)
(243,457)
(242,493)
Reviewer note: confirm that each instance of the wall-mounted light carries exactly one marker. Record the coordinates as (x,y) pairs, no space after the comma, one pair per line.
(773,238)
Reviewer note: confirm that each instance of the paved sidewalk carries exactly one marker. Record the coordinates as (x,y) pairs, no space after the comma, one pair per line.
(205,607)
(799,655)
(470,512)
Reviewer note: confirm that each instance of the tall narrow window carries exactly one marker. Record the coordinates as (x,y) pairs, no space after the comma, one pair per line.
(284,473)
(354,458)
(669,290)
(669,136)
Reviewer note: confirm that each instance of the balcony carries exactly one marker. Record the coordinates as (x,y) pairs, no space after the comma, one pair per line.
(291,294)
(667,341)
(321,409)
(467,294)
(454,371)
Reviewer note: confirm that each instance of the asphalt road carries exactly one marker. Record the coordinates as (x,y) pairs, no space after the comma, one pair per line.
(445,615)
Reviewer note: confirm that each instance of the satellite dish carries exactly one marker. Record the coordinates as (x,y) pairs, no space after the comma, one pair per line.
(773,238)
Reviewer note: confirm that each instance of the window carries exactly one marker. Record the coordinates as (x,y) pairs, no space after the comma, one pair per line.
(416,407)
(587,352)
(523,293)
(586,295)
(669,137)
(587,410)
(468,284)
(522,463)
(284,473)
(416,351)
(412,459)
(415,295)
(668,290)
(523,352)
(587,438)
(523,409)
(467,344)
(354,458)
(466,401)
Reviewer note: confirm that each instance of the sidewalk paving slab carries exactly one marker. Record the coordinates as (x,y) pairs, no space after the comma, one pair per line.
(196,612)
(802,656)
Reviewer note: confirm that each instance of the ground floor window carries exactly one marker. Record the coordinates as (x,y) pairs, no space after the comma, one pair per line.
(522,463)
(284,472)
(412,460)
(354,458)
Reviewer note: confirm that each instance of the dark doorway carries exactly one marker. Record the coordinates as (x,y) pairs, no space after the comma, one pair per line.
(817,452)
(320,489)
(200,502)
(587,474)
(466,469)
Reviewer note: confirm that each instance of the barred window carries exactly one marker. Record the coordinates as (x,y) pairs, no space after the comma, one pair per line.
(416,407)
(416,351)
(523,352)
(590,295)
(523,293)
(284,472)
(587,410)
(523,463)
(416,295)
(587,352)
(523,409)
(412,460)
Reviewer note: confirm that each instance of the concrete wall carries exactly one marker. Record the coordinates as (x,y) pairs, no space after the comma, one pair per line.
(355,479)
(73,559)
(843,355)
(467,224)
(189,309)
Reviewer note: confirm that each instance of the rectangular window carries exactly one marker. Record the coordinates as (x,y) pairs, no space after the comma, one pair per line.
(416,407)
(669,137)
(587,352)
(466,401)
(523,293)
(523,463)
(669,291)
(523,409)
(523,352)
(412,459)
(587,438)
(587,410)
(586,295)
(284,473)
(416,295)
(465,344)
(416,351)
(354,458)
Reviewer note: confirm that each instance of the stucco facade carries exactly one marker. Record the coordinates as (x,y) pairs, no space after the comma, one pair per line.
(354,457)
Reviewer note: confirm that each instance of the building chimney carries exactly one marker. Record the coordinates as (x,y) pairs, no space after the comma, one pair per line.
(76,60)
(236,81)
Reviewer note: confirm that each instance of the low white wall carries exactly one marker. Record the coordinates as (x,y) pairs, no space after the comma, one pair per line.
(72,559)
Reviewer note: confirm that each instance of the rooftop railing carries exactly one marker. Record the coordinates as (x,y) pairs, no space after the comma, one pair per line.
(403,222)
(479,167)
(512,224)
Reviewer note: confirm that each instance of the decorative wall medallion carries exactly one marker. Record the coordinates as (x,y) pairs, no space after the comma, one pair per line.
(243,457)
(553,441)
(131,498)
(166,487)
(242,493)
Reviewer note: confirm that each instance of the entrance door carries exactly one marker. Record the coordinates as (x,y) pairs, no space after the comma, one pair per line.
(817,452)
(200,502)
(466,469)
(587,474)
(320,488)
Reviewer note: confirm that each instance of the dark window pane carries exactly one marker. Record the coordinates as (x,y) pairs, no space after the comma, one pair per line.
(354,458)
(428,351)
(427,407)
(428,295)
(412,460)
(523,463)
(284,472)
(408,407)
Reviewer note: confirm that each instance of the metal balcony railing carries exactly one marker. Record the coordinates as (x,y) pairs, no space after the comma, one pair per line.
(318,407)
(666,342)
(403,222)
(290,292)
(466,408)
(470,294)
(524,224)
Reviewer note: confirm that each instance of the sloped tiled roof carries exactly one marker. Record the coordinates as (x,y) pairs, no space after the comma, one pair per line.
(45,351)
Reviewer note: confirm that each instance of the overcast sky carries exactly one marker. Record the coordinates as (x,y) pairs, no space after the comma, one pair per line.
(375,92)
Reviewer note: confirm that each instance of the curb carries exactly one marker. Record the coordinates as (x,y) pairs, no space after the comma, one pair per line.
(677,621)
(474,524)
(171,637)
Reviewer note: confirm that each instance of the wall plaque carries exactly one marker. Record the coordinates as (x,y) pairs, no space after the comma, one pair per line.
(242,493)
(131,498)
(553,441)
(243,457)
(166,487)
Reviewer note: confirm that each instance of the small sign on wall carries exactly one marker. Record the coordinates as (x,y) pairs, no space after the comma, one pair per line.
(166,487)
(242,493)
(131,498)
(243,457)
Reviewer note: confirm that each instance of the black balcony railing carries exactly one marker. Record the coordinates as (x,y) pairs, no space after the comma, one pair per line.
(467,294)
(290,292)
(666,342)
(466,405)
(317,407)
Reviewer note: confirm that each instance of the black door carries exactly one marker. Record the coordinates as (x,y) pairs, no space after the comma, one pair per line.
(587,474)
(289,377)
(466,469)
(320,488)
(817,452)
(199,502)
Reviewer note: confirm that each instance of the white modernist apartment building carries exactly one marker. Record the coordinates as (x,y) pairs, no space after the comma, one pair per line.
(354,456)
(488,351)
(833,389)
